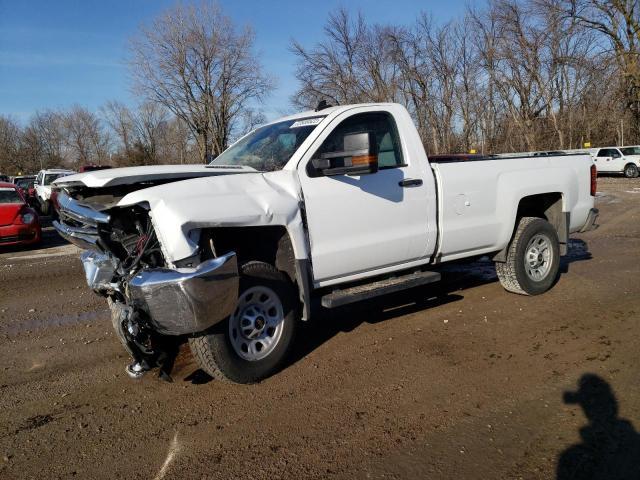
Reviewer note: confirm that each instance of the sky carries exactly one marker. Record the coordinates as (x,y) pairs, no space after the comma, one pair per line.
(54,54)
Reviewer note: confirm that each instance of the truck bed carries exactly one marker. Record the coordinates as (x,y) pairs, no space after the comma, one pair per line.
(478,199)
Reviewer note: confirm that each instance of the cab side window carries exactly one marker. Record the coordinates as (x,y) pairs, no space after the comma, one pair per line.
(609,152)
(383,127)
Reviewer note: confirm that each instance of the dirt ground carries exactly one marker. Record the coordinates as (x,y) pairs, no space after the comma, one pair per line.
(459,380)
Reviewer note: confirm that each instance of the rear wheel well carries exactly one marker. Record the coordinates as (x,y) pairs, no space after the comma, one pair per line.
(547,206)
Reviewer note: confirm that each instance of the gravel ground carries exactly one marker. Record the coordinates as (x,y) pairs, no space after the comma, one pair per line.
(458,380)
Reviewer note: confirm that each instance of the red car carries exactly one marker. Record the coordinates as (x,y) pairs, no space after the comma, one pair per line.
(19,223)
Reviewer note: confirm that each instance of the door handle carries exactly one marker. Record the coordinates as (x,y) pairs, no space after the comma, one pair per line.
(410,182)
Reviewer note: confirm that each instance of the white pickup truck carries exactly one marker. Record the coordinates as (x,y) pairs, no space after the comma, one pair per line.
(43,184)
(334,206)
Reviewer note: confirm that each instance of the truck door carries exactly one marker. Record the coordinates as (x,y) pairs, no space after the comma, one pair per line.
(605,158)
(617,160)
(360,223)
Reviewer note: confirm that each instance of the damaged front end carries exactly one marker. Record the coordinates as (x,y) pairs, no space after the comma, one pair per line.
(151,303)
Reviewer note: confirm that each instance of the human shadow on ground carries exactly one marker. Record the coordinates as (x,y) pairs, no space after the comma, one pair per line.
(610,447)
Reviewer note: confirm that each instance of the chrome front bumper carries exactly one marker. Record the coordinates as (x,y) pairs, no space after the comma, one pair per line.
(78,224)
(177,302)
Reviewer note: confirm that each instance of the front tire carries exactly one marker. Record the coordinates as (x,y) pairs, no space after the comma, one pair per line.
(118,318)
(533,258)
(631,171)
(254,342)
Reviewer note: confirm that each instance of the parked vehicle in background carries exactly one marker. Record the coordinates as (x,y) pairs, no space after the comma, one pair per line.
(338,205)
(617,160)
(91,168)
(15,179)
(43,187)
(631,150)
(19,223)
(26,186)
(4,178)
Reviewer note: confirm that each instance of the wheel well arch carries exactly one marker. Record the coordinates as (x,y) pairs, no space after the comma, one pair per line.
(548,206)
(270,244)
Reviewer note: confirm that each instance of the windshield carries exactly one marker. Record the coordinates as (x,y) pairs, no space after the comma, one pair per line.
(10,195)
(50,177)
(270,147)
(25,183)
(630,151)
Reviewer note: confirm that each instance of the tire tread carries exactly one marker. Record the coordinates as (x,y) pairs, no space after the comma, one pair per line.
(507,271)
(207,352)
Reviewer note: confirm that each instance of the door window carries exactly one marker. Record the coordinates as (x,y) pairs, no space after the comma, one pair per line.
(609,152)
(387,141)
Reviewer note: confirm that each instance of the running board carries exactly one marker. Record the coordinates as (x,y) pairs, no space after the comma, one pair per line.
(338,298)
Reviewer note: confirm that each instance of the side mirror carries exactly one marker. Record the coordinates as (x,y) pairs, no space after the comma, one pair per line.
(358,157)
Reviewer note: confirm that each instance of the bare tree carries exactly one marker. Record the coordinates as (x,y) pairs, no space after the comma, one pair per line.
(354,64)
(512,75)
(86,139)
(31,152)
(193,61)
(48,126)
(121,121)
(618,22)
(149,126)
(177,144)
(10,137)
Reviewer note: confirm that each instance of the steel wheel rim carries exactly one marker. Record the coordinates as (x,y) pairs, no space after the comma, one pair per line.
(538,257)
(255,328)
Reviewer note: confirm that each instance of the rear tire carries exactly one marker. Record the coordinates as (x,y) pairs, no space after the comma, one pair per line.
(533,258)
(254,342)
(631,171)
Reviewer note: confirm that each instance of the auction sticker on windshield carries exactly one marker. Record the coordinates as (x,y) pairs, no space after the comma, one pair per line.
(307,122)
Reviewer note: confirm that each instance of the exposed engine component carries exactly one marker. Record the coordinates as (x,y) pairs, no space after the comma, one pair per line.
(153,305)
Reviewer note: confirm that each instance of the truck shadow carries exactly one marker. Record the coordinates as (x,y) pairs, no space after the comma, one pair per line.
(610,445)
(456,277)
(578,251)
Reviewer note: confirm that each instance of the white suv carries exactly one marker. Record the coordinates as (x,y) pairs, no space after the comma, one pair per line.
(625,160)
(43,186)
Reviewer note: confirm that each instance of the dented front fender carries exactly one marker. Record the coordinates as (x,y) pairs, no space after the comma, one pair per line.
(179,210)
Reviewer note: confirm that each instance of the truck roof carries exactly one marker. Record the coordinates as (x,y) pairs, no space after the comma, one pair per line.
(328,110)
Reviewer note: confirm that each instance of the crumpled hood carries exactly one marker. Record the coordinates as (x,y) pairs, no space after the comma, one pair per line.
(129,175)
(180,209)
